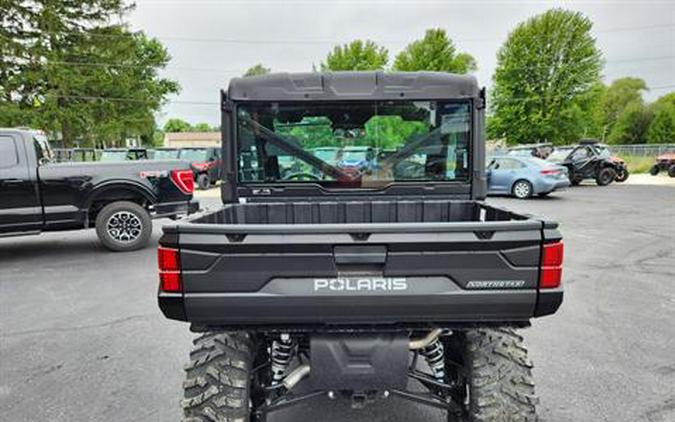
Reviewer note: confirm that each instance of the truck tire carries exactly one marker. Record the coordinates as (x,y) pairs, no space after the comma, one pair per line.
(203,181)
(499,377)
(605,176)
(654,170)
(522,189)
(671,171)
(217,385)
(123,226)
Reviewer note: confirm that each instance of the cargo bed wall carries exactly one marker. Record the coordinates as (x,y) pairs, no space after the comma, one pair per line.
(345,212)
(358,262)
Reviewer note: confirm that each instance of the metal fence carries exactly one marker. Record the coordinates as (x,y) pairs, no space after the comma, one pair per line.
(642,150)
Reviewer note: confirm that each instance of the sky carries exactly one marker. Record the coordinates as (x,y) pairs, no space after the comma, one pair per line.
(211,41)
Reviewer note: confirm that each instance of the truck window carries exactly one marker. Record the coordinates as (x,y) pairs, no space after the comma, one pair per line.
(339,144)
(9,156)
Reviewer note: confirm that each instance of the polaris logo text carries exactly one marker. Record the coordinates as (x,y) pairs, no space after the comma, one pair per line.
(360,284)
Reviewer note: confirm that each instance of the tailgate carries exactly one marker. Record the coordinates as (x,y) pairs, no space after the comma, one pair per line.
(459,272)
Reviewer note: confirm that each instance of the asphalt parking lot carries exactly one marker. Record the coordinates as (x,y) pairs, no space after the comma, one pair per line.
(81,337)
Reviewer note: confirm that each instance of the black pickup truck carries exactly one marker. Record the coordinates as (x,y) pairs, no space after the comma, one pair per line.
(118,199)
(339,279)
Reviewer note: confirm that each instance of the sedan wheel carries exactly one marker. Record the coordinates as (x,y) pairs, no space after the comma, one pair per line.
(522,189)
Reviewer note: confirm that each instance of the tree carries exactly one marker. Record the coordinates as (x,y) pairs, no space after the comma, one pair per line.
(631,125)
(545,71)
(617,96)
(435,52)
(177,125)
(662,127)
(72,72)
(357,55)
(202,127)
(257,70)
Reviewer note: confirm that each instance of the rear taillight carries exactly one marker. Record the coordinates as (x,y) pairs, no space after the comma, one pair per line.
(184,180)
(551,265)
(548,172)
(168,260)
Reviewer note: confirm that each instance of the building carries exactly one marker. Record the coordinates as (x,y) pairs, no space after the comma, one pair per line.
(191,139)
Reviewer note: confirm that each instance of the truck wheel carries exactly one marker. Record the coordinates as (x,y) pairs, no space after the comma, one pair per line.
(522,189)
(671,171)
(203,181)
(605,176)
(217,385)
(498,376)
(622,175)
(654,170)
(123,226)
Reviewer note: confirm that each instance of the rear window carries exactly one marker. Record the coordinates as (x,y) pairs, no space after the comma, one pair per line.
(363,144)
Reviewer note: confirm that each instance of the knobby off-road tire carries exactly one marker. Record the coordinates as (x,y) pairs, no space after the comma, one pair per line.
(671,171)
(622,175)
(217,385)
(123,226)
(605,176)
(499,377)
(654,170)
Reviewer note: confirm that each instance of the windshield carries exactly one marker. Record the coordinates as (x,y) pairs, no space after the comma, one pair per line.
(193,155)
(371,143)
(559,155)
(113,156)
(602,151)
(166,154)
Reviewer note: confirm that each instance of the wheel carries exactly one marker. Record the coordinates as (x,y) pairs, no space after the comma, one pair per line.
(605,176)
(123,226)
(654,170)
(622,175)
(575,181)
(522,189)
(671,171)
(496,374)
(203,181)
(217,386)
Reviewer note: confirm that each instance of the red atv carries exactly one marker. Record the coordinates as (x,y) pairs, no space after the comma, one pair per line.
(664,162)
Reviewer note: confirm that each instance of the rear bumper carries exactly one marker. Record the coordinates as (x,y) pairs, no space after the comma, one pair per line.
(171,209)
(550,186)
(456,306)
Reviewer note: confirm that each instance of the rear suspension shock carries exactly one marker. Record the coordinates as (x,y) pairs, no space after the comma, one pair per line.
(434,354)
(283,351)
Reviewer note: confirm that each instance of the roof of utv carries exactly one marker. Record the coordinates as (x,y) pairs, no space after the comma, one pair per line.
(353,86)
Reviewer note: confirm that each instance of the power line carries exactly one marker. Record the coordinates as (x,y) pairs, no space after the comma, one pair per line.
(331,41)
(240,71)
(216,103)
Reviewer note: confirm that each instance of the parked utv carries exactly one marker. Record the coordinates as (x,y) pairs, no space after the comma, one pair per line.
(350,284)
(664,162)
(205,163)
(619,164)
(541,150)
(587,161)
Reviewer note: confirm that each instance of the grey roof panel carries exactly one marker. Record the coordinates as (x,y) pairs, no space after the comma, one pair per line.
(353,86)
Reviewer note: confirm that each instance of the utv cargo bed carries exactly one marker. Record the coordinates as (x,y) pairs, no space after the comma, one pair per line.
(402,262)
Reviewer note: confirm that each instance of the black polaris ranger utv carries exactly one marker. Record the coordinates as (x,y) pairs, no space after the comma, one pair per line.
(362,282)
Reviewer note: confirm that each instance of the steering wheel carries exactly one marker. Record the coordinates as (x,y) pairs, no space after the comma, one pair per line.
(302,176)
(409,170)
